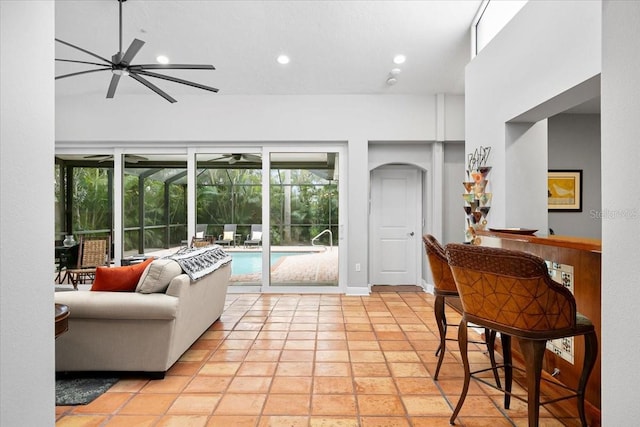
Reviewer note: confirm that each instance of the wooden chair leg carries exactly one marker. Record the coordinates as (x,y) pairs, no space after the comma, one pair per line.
(490,340)
(590,356)
(441,321)
(508,368)
(533,353)
(463,344)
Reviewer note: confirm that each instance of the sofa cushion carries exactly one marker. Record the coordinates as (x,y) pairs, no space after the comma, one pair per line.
(119,279)
(157,275)
(118,305)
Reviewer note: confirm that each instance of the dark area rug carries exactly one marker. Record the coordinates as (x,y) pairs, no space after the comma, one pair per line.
(396,288)
(80,391)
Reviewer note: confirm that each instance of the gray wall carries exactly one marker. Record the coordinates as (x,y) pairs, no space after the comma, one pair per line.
(574,143)
(453,217)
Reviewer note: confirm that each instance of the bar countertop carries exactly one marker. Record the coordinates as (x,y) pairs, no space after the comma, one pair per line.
(571,242)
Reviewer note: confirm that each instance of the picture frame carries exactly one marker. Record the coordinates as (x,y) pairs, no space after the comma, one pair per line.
(564,190)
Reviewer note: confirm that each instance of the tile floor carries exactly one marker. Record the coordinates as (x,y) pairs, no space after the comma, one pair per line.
(312,360)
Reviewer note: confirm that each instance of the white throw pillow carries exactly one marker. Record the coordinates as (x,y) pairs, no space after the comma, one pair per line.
(227,235)
(256,235)
(199,234)
(158,275)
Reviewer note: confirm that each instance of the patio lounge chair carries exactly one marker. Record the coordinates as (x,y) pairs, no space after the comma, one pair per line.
(228,236)
(254,238)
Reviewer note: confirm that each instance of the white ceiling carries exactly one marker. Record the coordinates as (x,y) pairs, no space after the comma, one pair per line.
(336,47)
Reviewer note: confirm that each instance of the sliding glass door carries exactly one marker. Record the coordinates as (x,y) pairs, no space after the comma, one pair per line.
(304,219)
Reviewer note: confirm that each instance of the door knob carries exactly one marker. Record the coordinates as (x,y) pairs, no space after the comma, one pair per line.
(411,234)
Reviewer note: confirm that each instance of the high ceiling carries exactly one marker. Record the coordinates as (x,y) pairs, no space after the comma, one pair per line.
(336,47)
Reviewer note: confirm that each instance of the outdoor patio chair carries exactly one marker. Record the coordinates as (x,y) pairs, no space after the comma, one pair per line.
(198,242)
(228,236)
(92,253)
(254,238)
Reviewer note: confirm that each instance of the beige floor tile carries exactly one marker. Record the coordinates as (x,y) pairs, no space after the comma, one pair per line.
(314,361)
(334,422)
(219,368)
(191,404)
(169,384)
(380,404)
(232,421)
(207,384)
(183,421)
(81,421)
(249,385)
(287,404)
(332,369)
(329,404)
(294,369)
(384,422)
(107,403)
(148,404)
(257,369)
(426,405)
(296,385)
(375,385)
(240,404)
(132,421)
(337,385)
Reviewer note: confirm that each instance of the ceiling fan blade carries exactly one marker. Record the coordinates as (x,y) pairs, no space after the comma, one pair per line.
(177,80)
(132,51)
(79,62)
(153,87)
(81,72)
(252,157)
(115,78)
(172,67)
(224,156)
(85,51)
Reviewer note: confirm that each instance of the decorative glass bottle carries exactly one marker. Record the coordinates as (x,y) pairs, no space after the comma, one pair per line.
(69,241)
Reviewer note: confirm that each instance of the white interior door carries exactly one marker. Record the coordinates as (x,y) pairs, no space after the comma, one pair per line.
(394,216)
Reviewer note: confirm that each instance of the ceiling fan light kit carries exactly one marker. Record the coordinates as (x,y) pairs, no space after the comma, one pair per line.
(120,65)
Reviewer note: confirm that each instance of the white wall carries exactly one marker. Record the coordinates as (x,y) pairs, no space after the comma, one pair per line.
(26,213)
(574,143)
(521,69)
(620,158)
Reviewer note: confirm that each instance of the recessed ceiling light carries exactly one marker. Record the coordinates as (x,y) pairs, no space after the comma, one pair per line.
(283,59)
(399,59)
(162,59)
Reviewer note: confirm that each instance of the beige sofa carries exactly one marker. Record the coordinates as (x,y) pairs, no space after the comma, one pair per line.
(133,331)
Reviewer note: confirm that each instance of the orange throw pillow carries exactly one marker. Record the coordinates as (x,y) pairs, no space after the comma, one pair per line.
(119,279)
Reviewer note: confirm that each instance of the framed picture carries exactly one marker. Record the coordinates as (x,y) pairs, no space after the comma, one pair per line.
(564,190)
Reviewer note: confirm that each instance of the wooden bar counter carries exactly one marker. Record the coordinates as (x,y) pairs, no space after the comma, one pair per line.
(584,255)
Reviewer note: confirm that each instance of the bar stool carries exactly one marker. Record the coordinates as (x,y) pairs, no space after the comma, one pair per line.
(511,293)
(446,292)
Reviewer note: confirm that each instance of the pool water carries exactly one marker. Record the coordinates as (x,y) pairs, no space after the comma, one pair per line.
(251,262)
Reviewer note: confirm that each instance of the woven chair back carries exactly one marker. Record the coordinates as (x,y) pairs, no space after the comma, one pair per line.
(510,291)
(442,276)
(95,252)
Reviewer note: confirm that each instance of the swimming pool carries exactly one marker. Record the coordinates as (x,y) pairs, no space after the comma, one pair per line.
(251,262)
